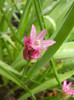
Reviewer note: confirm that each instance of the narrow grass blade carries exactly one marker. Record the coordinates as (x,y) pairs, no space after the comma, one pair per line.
(55,71)
(1,52)
(62,33)
(16,7)
(24,71)
(6,37)
(12,77)
(19,61)
(9,68)
(10,25)
(50,8)
(71,36)
(1,3)
(39,14)
(48,84)
(23,21)
(60,11)
(42,25)
(12,70)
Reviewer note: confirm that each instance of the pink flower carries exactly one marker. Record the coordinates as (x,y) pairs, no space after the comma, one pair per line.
(27,43)
(26,54)
(31,54)
(35,54)
(33,44)
(37,42)
(67,88)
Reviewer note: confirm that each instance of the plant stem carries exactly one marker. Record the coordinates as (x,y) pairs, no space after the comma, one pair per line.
(25,69)
(28,63)
(55,70)
(40,15)
(16,7)
(45,73)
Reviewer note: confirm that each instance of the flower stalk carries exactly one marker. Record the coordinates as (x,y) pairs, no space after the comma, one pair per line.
(55,70)
(24,71)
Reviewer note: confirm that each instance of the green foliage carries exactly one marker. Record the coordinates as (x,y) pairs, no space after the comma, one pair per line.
(55,64)
(60,38)
(1,3)
(48,84)
(24,18)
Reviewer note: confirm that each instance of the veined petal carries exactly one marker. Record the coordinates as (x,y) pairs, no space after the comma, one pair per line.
(64,85)
(69,85)
(43,48)
(41,35)
(33,33)
(35,54)
(47,43)
(71,92)
(25,54)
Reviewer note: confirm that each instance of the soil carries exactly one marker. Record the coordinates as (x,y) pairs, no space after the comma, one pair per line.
(3,90)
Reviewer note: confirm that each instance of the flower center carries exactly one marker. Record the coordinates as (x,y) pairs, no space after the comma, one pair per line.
(37,42)
(67,88)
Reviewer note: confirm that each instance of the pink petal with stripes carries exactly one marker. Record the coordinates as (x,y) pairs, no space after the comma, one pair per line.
(33,33)
(41,35)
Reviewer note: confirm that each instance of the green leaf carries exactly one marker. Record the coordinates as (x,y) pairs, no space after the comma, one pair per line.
(1,3)
(71,36)
(62,32)
(39,14)
(6,37)
(55,71)
(6,73)
(50,24)
(16,7)
(3,28)
(60,11)
(23,21)
(51,7)
(9,68)
(1,52)
(67,64)
(11,26)
(65,51)
(48,84)
(42,26)
(19,61)
(9,75)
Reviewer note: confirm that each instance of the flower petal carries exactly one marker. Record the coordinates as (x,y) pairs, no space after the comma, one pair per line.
(64,85)
(25,54)
(71,92)
(41,35)
(69,85)
(33,33)
(35,54)
(43,48)
(47,43)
